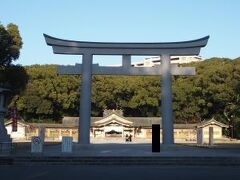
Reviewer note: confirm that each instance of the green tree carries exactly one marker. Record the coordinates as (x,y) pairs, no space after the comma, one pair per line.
(12,77)
(10,44)
(48,96)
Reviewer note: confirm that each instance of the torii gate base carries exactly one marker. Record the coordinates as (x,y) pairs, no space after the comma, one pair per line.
(88,49)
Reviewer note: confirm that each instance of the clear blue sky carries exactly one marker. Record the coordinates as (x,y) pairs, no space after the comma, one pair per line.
(124,21)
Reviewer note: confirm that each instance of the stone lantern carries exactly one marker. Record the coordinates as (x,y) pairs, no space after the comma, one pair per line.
(4,93)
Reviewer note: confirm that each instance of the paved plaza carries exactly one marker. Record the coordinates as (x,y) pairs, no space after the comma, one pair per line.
(130,149)
(66,170)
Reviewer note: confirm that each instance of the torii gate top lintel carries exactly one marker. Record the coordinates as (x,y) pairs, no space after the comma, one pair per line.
(61,46)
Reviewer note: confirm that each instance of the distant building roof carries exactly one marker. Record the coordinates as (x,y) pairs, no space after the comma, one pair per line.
(19,122)
(211,122)
(144,122)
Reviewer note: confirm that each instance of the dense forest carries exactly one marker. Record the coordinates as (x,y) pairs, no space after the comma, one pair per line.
(213,92)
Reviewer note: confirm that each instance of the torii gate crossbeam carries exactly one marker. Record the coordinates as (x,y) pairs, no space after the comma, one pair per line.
(88,49)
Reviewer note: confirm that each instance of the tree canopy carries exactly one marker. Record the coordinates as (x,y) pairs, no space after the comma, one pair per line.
(10,44)
(213,92)
(13,77)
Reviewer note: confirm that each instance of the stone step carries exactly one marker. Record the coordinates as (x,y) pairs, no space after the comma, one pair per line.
(70,160)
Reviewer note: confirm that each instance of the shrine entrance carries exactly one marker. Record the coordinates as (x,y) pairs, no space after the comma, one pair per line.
(113,133)
(113,129)
(126,50)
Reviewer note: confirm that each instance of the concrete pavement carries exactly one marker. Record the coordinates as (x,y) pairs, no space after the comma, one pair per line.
(130,149)
(125,154)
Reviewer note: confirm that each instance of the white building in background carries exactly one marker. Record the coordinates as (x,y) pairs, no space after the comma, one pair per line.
(20,134)
(152,61)
(112,126)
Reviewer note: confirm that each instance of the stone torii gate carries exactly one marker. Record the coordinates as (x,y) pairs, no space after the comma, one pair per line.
(87,69)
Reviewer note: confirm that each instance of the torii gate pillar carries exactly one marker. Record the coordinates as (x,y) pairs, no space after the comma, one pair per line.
(166,100)
(87,49)
(85,100)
